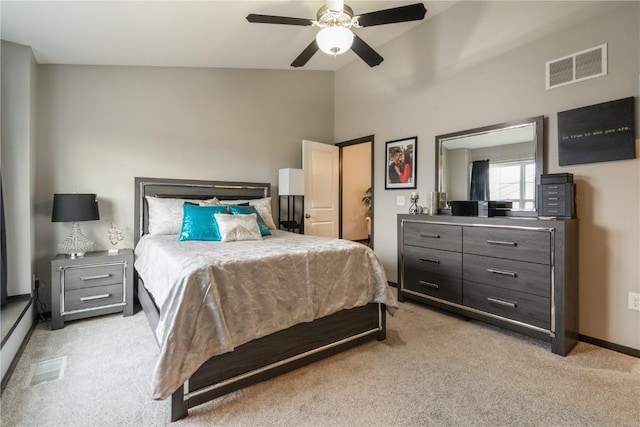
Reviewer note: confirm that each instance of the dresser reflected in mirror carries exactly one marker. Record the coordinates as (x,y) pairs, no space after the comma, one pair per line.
(498,162)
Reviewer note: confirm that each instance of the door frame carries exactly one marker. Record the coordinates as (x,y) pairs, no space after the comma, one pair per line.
(341,145)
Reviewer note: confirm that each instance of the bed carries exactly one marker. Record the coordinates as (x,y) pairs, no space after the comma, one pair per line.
(205,352)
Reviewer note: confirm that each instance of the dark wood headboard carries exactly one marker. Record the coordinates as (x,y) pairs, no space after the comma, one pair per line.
(189,189)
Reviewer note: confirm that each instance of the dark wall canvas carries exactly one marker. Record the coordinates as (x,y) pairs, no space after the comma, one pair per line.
(597,133)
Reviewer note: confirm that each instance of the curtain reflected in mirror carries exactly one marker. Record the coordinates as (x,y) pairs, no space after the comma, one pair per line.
(479,180)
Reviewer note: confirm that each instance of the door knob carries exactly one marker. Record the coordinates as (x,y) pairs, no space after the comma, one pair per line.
(307,216)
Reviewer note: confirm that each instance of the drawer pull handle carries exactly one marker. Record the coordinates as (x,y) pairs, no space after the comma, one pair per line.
(553,198)
(429,284)
(94,297)
(502,272)
(552,186)
(97,276)
(552,192)
(433,261)
(502,302)
(501,243)
(432,236)
(553,204)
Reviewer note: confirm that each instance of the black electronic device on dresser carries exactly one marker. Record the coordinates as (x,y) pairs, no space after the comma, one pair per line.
(518,273)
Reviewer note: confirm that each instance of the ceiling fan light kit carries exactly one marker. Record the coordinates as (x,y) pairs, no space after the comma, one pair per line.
(334,40)
(336,37)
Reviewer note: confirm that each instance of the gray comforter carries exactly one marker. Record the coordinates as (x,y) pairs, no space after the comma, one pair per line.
(215,296)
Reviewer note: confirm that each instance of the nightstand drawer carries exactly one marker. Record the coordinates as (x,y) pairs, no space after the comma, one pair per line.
(78,277)
(94,297)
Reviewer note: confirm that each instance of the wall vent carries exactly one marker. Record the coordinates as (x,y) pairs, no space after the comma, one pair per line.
(577,67)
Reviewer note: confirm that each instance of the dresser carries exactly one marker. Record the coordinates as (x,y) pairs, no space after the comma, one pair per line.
(92,285)
(517,273)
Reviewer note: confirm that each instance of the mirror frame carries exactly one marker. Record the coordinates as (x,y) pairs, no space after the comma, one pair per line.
(538,121)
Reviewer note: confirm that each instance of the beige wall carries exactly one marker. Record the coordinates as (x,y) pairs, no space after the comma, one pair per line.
(17,158)
(99,127)
(482,63)
(356,179)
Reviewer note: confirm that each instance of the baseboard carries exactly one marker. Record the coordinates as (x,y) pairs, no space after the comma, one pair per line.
(610,346)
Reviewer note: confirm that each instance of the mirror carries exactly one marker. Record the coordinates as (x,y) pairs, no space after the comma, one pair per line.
(505,160)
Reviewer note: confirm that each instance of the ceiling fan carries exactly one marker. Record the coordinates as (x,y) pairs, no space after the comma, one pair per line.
(335,21)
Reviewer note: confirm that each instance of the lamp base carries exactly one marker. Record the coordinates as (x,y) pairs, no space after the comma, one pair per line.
(76,244)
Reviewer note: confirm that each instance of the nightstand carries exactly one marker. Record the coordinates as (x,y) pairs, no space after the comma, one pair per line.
(95,284)
(294,220)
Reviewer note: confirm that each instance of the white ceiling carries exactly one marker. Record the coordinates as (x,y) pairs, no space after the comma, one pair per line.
(182,33)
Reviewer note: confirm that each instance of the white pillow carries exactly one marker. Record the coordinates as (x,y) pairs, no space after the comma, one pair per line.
(263,206)
(165,214)
(210,202)
(238,227)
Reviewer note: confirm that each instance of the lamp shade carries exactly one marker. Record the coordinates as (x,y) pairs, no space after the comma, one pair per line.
(291,182)
(74,208)
(334,40)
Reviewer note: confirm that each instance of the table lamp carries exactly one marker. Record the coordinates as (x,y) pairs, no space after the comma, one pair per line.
(75,208)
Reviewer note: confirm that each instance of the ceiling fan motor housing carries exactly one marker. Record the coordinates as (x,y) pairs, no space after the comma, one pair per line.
(336,18)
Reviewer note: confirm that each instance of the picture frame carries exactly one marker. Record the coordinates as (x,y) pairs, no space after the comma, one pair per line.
(401,166)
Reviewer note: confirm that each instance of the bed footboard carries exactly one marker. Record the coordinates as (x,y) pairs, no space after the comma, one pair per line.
(278,353)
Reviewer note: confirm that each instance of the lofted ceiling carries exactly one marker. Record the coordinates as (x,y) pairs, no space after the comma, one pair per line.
(182,33)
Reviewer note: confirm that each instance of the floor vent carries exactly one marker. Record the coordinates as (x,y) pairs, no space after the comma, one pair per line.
(49,370)
(577,67)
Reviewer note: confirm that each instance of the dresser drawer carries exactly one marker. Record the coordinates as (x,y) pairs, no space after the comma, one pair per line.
(560,211)
(433,261)
(520,306)
(517,244)
(443,287)
(515,275)
(99,275)
(436,236)
(554,190)
(93,297)
(553,203)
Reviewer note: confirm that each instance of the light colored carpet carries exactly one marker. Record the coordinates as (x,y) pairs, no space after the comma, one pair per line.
(434,369)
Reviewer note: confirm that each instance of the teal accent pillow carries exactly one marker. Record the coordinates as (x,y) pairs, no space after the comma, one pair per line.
(246,210)
(199,223)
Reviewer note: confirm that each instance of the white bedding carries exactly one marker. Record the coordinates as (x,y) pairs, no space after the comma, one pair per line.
(216,296)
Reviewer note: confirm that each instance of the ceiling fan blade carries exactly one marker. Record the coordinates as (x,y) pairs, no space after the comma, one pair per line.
(270,19)
(306,54)
(412,12)
(366,52)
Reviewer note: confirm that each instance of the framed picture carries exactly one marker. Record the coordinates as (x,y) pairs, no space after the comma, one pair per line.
(402,168)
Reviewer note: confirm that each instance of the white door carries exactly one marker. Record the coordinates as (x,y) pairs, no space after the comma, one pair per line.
(321,186)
